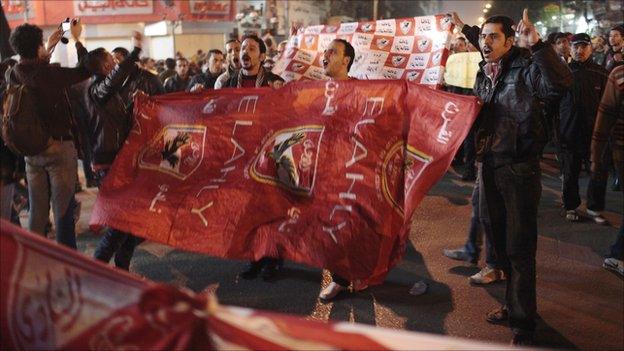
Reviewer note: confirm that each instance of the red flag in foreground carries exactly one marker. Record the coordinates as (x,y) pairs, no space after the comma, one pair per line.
(323,173)
(55,298)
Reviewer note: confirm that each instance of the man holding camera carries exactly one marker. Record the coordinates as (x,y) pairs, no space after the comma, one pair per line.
(51,174)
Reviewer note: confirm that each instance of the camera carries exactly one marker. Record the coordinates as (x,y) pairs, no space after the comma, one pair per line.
(65,25)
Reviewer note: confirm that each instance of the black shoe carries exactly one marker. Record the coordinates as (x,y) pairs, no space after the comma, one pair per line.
(522,339)
(268,271)
(497,316)
(252,270)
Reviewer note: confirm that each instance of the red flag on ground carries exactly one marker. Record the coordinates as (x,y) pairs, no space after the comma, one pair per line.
(52,297)
(323,173)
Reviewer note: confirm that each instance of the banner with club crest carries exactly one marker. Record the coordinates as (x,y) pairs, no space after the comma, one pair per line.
(414,49)
(323,173)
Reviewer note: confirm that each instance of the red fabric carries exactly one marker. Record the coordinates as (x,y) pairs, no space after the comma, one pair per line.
(199,171)
(54,298)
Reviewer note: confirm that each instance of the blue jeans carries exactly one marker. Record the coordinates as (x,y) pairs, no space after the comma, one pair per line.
(480,224)
(51,178)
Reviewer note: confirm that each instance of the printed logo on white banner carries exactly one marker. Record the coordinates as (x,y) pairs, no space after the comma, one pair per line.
(406,26)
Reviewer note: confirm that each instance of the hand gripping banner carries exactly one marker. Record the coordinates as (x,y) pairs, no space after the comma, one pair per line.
(52,297)
(323,173)
(414,49)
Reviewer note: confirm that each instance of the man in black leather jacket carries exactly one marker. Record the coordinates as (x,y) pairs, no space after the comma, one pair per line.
(109,125)
(140,79)
(510,138)
(181,80)
(577,114)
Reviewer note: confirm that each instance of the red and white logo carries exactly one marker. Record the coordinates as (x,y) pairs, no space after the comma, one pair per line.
(289,159)
(177,150)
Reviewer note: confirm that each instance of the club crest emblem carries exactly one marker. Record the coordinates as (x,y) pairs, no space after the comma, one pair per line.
(289,159)
(398,61)
(367,27)
(402,167)
(177,150)
(423,45)
(405,27)
(445,23)
(413,76)
(309,41)
(435,59)
(382,43)
(297,67)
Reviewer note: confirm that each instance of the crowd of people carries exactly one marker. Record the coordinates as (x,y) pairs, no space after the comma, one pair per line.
(566,90)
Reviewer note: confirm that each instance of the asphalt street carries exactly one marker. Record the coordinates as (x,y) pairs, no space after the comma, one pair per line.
(580,304)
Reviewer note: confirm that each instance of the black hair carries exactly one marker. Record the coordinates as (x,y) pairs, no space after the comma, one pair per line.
(181,59)
(257,40)
(170,63)
(232,41)
(213,52)
(619,28)
(26,39)
(122,51)
(349,51)
(95,58)
(505,22)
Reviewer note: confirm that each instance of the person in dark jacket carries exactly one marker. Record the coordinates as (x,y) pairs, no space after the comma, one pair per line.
(181,80)
(169,70)
(615,54)
(8,160)
(140,79)
(510,139)
(610,123)
(211,70)
(252,74)
(51,174)
(577,114)
(109,125)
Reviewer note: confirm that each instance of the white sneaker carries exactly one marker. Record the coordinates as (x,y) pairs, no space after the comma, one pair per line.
(596,216)
(331,291)
(487,275)
(613,264)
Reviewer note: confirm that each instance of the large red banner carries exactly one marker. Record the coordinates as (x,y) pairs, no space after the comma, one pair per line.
(323,173)
(52,297)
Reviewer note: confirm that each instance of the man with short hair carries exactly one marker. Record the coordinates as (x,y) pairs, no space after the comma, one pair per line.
(232,57)
(337,61)
(211,70)
(252,73)
(51,174)
(577,114)
(180,81)
(510,139)
(561,44)
(109,124)
(616,40)
(169,70)
(139,79)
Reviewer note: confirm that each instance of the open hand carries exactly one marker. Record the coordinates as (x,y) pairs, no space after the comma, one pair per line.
(137,39)
(527,33)
(75,28)
(457,21)
(54,38)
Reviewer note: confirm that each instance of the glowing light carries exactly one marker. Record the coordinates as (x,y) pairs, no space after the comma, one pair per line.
(488,6)
(485,10)
(481,19)
(554,17)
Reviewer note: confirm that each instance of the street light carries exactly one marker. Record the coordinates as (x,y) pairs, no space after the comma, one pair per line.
(481,19)
(485,10)
(488,6)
